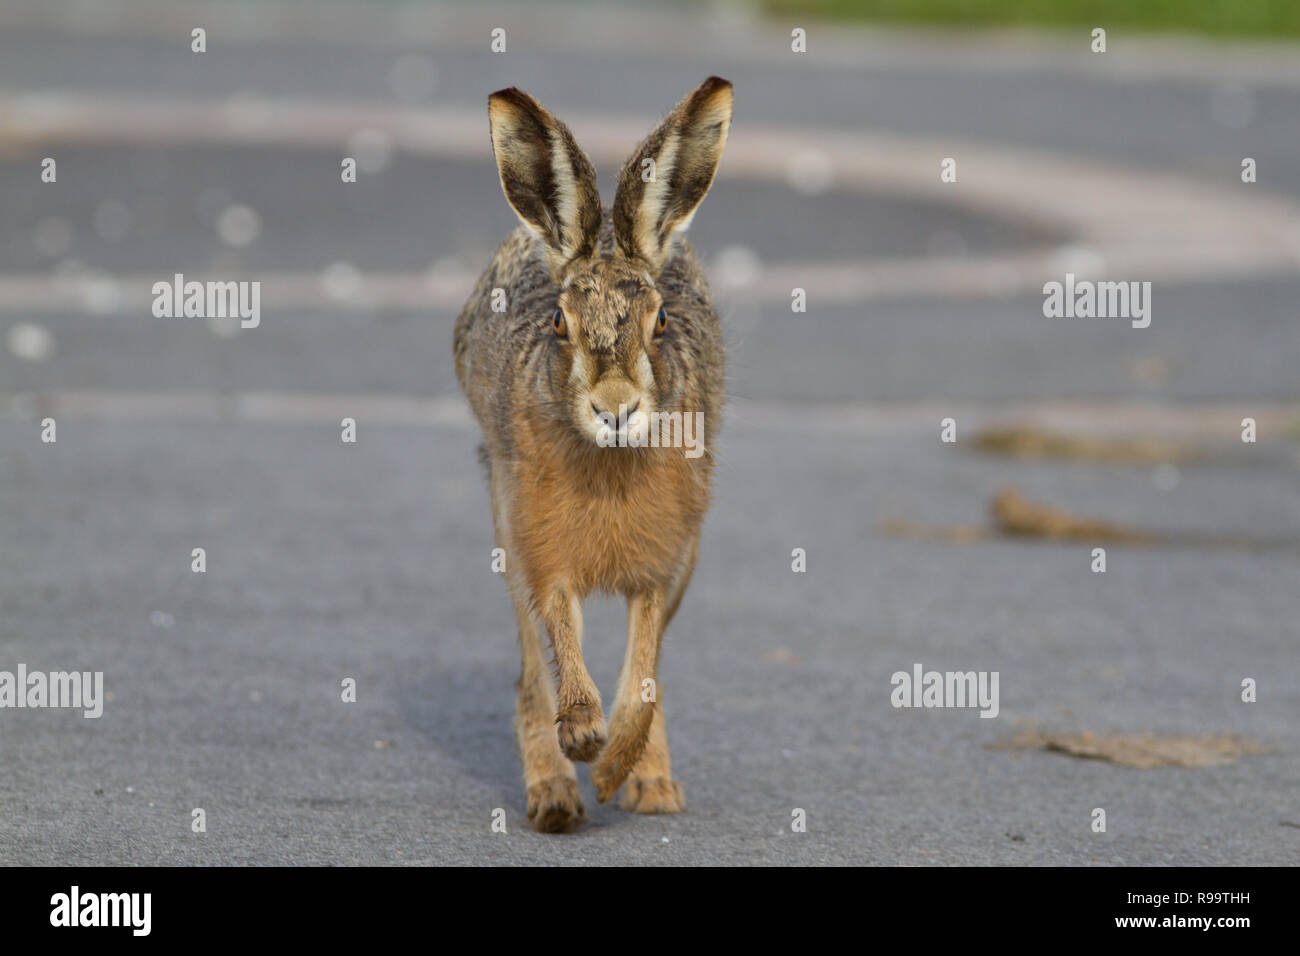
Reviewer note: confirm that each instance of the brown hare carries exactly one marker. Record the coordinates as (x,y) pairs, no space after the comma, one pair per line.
(591,327)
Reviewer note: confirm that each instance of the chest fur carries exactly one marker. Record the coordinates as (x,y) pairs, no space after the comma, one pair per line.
(616,520)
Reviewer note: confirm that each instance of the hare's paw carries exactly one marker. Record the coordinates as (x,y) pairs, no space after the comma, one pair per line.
(554,805)
(659,795)
(628,733)
(581,730)
(609,774)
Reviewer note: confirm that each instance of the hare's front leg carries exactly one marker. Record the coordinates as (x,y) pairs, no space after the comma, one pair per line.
(550,780)
(579,720)
(637,695)
(650,787)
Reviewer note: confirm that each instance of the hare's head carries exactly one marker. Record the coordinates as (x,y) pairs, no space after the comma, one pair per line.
(613,353)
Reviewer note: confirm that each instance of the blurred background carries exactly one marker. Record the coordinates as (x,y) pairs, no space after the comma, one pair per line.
(924,302)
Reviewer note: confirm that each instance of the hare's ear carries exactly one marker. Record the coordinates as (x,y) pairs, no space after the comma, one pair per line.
(667,177)
(547,179)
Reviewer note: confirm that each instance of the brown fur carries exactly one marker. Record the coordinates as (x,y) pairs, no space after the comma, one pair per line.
(572,516)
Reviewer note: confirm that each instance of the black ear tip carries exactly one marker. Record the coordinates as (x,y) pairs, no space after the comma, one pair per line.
(511,95)
(714,90)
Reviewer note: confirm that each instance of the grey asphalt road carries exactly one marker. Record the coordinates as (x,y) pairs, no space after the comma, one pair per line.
(422,210)
(1078,103)
(371,561)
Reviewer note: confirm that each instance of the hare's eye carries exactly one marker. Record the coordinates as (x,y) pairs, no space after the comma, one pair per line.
(558,323)
(662,322)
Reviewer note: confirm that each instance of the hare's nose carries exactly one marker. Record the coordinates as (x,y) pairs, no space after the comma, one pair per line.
(600,411)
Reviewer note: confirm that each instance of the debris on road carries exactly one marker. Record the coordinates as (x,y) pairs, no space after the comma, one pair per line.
(1017,515)
(1026,442)
(1141,751)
